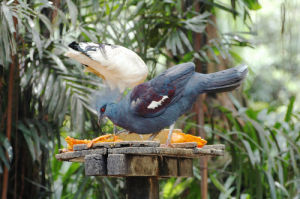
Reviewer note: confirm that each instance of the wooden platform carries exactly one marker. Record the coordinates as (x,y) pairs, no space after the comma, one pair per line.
(139,158)
(142,163)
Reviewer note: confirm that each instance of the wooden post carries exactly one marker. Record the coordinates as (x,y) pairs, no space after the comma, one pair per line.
(142,187)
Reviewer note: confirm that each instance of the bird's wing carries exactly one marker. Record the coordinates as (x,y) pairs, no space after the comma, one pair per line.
(119,66)
(89,52)
(151,99)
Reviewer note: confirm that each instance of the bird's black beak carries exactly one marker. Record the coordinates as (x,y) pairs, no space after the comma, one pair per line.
(100,118)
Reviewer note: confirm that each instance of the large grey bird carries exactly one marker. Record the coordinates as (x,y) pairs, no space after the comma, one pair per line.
(158,103)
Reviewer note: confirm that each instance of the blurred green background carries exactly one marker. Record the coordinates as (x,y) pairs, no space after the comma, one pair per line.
(45,96)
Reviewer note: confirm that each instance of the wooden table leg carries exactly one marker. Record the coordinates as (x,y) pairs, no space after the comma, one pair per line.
(142,188)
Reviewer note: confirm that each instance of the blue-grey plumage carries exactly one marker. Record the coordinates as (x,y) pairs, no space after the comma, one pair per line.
(158,103)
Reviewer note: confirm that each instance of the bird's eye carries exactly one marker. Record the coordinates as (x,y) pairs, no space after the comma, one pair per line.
(102,109)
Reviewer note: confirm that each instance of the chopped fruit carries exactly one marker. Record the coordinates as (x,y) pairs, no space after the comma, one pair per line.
(105,138)
(178,137)
(72,141)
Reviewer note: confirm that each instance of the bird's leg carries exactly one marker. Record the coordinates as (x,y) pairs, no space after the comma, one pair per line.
(168,143)
(122,131)
(153,136)
(114,130)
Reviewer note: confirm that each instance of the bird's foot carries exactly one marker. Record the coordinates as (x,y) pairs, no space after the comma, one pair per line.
(167,145)
(153,136)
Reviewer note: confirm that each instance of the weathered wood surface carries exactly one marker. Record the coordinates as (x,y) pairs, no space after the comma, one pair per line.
(142,188)
(142,148)
(120,165)
(136,158)
(78,156)
(132,165)
(127,144)
(95,165)
(141,162)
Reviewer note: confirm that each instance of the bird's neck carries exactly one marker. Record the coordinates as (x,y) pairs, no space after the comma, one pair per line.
(113,112)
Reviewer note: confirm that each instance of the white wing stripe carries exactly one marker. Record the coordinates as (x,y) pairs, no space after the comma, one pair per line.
(155,104)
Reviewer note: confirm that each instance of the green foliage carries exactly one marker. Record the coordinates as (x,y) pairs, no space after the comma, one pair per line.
(261,161)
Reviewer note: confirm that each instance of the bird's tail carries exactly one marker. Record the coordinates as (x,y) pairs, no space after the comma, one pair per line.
(225,80)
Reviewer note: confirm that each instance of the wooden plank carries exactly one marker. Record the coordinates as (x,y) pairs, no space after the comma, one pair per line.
(185,145)
(133,150)
(176,152)
(207,151)
(153,151)
(129,165)
(95,165)
(68,156)
(185,167)
(80,147)
(117,165)
(167,166)
(215,146)
(127,144)
(142,188)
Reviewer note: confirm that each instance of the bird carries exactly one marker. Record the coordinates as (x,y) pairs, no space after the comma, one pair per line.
(151,106)
(119,67)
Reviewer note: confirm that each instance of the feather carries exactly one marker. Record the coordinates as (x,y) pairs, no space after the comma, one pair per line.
(120,67)
(106,96)
(152,98)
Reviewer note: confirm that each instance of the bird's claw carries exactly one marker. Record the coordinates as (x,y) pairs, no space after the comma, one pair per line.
(167,145)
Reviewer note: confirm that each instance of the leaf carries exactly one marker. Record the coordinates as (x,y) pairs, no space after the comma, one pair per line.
(9,18)
(250,152)
(47,22)
(198,19)
(217,183)
(70,170)
(271,184)
(282,188)
(72,11)
(195,27)
(178,43)
(8,148)
(35,36)
(81,187)
(289,110)
(171,42)
(54,97)
(91,36)
(60,101)
(139,8)
(58,61)
(65,107)
(48,90)
(41,82)
(185,40)
(212,52)
(28,139)
(35,139)
(167,190)
(252,4)
(217,5)
(3,158)
(8,42)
